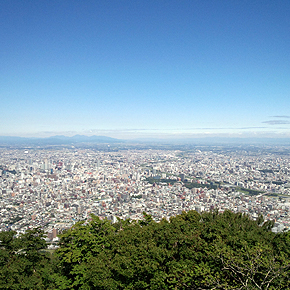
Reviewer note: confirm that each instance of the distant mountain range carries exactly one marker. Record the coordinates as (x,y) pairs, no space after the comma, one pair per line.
(57,140)
(78,139)
(217,141)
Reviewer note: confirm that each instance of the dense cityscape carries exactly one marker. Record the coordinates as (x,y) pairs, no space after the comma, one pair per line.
(55,188)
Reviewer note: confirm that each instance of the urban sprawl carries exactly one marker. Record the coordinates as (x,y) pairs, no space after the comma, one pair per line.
(55,188)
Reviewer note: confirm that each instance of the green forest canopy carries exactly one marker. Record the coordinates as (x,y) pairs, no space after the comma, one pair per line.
(210,250)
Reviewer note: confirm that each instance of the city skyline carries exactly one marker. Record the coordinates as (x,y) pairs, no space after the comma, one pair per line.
(145,69)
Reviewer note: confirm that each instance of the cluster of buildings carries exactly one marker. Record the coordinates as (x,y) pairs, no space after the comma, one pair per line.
(53,189)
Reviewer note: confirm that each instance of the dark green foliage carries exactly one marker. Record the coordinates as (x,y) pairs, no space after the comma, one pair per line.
(190,251)
(191,185)
(77,248)
(22,263)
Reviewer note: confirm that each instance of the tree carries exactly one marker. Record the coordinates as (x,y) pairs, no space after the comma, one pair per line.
(190,251)
(23,264)
(78,245)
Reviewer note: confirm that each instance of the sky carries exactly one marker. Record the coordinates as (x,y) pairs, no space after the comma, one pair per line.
(140,69)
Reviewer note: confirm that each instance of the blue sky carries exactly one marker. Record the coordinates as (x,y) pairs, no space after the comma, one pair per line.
(137,68)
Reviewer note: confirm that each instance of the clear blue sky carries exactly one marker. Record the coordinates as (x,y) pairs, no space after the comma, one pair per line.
(145,68)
